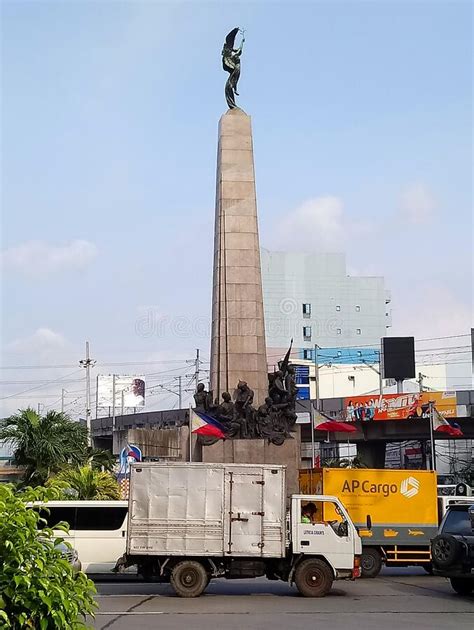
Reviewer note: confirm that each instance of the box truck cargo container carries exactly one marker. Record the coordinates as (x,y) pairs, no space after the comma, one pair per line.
(191,522)
(402,505)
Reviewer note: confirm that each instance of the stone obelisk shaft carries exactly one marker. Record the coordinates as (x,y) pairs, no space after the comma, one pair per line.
(238,334)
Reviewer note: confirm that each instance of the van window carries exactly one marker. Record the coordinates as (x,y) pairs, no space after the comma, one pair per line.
(55,515)
(100,518)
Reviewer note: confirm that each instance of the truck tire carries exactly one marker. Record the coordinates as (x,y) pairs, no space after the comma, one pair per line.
(462,586)
(313,578)
(445,549)
(370,562)
(189,579)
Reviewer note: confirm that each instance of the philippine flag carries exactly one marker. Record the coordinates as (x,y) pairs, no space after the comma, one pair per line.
(202,424)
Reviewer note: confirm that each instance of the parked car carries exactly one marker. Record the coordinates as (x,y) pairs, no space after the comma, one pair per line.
(67,551)
(452,550)
(70,555)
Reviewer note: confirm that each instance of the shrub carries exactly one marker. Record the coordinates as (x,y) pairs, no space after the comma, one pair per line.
(38,587)
(86,483)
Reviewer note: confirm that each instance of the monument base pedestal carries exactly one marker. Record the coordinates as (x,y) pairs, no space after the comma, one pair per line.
(259,451)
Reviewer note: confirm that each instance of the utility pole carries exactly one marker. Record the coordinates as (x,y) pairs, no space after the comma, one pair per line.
(87,363)
(113,405)
(197,364)
(180,392)
(420,380)
(63,391)
(379,372)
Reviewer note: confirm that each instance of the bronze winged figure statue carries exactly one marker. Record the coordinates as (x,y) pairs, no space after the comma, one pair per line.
(231,64)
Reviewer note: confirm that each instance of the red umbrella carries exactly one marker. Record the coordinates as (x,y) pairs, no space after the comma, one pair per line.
(323,423)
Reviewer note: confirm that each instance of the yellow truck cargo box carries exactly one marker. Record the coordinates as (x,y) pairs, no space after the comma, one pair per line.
(402,504)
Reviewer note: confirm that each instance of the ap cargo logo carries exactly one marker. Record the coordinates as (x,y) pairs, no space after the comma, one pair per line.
(409,487)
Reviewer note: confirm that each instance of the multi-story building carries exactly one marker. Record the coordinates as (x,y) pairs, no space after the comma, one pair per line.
(311,299)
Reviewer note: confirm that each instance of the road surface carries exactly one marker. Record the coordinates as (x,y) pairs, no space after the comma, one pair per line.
(397,599)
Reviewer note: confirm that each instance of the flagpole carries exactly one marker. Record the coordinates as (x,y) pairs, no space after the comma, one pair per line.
(433,450)
(190,434)
(316,383)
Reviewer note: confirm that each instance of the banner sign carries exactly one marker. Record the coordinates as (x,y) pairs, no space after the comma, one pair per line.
(398,406)
(129,391)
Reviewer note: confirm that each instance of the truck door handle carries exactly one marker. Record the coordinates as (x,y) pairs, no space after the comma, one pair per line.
(239,518)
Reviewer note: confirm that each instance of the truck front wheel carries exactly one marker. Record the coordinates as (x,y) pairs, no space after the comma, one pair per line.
(189,578)
(313,578)
(371,562)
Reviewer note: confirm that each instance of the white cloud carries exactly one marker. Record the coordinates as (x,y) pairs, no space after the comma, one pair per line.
(28,387)
(38,258)
(317,224)
(43,340)
(417,204)
(434,311)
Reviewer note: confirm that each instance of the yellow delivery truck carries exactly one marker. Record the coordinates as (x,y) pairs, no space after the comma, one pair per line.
(401,504)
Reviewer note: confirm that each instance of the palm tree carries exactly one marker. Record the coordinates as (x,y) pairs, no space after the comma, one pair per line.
(86,483)
(100,459)
(44,444)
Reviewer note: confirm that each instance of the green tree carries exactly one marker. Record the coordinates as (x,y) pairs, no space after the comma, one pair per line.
(38,587)
(44,444)
(354,462)
(86,483)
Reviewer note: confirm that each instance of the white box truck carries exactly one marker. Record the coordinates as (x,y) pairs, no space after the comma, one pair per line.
(191,522)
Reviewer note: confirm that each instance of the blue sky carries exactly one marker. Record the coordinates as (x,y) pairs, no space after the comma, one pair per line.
(363,110)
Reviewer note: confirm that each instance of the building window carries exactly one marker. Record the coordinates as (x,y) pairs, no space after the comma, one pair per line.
(307,333)
(338,308)
(306,310)
(358,331)
(358,309)
(307,354)
(339,331)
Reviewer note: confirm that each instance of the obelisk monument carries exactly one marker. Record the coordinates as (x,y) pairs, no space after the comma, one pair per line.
(238,349)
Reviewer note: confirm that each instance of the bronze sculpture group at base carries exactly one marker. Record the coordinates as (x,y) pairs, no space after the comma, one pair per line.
(274,420)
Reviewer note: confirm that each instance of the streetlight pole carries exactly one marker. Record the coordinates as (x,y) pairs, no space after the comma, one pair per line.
(313,414)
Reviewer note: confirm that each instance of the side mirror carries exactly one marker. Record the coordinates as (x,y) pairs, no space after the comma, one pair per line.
(471,516)
(369,522)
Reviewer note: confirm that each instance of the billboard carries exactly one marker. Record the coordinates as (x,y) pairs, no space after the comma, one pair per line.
(129,391)
(398,406)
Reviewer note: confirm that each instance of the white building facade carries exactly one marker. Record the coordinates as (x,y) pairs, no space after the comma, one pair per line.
(312,299)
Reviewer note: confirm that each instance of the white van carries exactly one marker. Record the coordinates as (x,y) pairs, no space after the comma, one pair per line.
(97,530)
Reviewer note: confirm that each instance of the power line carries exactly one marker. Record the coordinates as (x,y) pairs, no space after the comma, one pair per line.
(58,380)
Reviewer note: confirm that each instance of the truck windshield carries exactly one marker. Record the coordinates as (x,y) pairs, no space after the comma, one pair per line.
(457,522)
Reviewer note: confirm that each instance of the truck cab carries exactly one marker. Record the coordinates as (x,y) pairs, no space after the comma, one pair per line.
(321,526)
